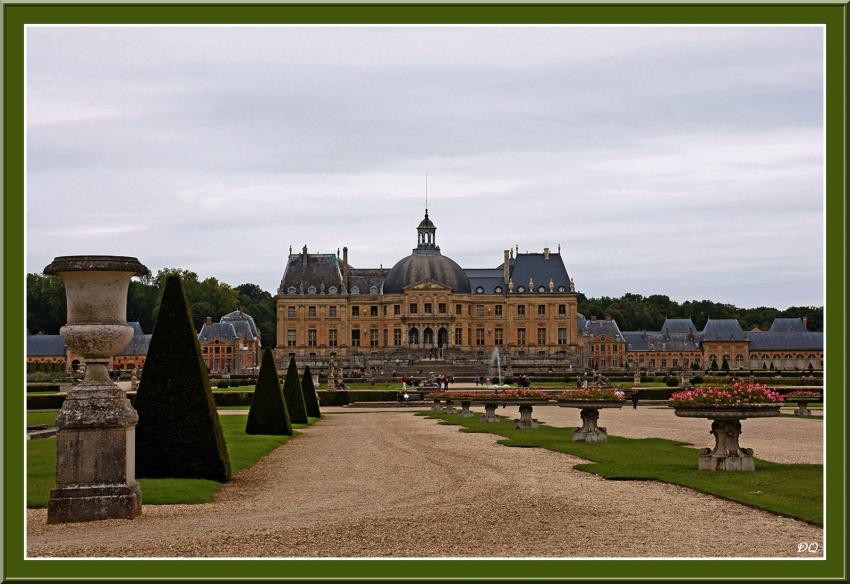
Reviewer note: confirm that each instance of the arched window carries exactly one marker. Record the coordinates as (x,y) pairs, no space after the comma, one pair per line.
(479,290)
(373,290)
(291,290)
(355,290)
(311,290)
(332,290)
(498,289)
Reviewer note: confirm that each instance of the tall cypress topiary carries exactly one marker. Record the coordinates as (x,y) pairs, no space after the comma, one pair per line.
(178,434)
(268,414)
(311,401)
(292,394)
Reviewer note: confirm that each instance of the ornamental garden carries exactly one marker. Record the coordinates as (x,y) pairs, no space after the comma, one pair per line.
(105,456)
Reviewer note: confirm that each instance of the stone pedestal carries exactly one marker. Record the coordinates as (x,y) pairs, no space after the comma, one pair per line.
(435,406)
(590,431)
(449,407)
(727,453)
(802,409)
(525,422)
(465,411)
(490,413)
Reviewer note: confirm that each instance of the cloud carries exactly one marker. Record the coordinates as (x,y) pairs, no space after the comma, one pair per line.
(680,160)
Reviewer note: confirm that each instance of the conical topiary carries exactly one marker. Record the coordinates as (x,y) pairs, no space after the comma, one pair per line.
(292,394)
(311,401)
(268,413)
(178,434)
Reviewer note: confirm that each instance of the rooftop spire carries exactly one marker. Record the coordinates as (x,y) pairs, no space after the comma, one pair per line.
(426,193)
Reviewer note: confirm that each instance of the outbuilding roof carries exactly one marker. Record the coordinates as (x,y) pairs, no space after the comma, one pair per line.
(787,325)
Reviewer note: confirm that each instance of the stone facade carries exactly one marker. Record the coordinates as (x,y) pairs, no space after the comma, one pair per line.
(427,305)
(231,345)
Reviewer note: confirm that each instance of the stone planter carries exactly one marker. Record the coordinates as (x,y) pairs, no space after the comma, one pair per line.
(464,409)
(802,404)
(489,415)
(449,407)
(95,441)
(590,431)
(436,407)
(726,427)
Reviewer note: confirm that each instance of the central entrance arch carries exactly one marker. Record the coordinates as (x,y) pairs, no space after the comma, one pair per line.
(428,337)
(413,336)
(442,337)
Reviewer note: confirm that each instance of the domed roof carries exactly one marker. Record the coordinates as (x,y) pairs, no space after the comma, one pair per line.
(419,267)
(426,263)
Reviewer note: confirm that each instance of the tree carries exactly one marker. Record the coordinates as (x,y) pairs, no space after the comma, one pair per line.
(46,305)
(178,434)
(268,414)
(309,391)
(293,395)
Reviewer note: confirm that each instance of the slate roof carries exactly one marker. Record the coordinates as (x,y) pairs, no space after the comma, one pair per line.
(488,279)
(137,328)
(45,346)
(580,321)
(679,326)
(300,274)
(723,329)
(596,328)
(540,270)
(138,345)
(787,325)
(659,341)
(243,323)
(363,279)
(794,341)
(217,330)
(636,340)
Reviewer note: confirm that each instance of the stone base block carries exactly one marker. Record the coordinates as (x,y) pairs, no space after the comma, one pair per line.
(709,462)
(467,414)
(489,419)
(88,503)
(596,435)
(526,424)
(802,410)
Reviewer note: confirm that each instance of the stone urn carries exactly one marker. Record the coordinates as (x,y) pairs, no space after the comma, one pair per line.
(590,431)
(727,453)
(95,440)
(802,402)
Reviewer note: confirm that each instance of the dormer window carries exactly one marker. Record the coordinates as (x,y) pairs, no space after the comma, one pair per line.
(562,288)
(498,289)
(373,290)
(355,290)
(291,290)
(479,290)
(332,290)
(521,289)
(311,290)
(541,289)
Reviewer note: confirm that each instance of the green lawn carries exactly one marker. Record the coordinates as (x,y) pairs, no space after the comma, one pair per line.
(39,417)
(244,451)
(794,490)
(240,388)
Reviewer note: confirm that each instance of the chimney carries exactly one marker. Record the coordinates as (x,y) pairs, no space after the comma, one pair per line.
(209,320)
(507,266)
(545,253)
(304,255)
(345,268)
(805,323)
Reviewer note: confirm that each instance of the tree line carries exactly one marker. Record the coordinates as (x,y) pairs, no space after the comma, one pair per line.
(46,310)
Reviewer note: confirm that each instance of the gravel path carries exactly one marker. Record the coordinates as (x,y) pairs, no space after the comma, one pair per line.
(371,483)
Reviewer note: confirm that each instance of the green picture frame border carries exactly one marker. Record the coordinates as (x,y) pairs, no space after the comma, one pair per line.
(16,16)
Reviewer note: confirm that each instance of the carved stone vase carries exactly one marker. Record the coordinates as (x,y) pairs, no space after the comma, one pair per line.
(95,440)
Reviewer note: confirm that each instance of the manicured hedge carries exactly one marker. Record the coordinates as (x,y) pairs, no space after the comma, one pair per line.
(293,395)
(340,398)
(268,413)
(311,402)
(42,387)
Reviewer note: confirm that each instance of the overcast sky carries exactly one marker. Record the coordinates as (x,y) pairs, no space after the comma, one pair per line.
(685,161)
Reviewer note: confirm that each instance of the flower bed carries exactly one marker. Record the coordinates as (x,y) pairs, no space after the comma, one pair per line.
(802,395)
(592,394)
(502,395)
(739,394)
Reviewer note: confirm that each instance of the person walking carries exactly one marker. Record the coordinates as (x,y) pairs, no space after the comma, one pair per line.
(634,398)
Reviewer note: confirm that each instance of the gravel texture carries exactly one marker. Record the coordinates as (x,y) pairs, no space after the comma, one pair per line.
(371,484)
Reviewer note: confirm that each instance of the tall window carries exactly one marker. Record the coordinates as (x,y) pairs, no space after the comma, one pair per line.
(562,309)
(355,337)
(562,336)
(499,338)
(355,311)
(520,309)
(290,312)
(479,337)
(290,338)
(397,337)
(541,336)
(458,309)
(373,338)
(541,310)
(413,308)
(498,310)
(332,311)
(311,337)
(441,308)
(520,336)
(427,308)
(458,336)
(373,310)
(479,310)
(332,337)
(397,309)
(311,311)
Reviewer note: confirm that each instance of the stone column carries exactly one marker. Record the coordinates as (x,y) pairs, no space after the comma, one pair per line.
(464,409)
(727,453)
(449,408)
(525,421)
(436,405)
(95,440)
(490,413)
(802,409)
(589,431)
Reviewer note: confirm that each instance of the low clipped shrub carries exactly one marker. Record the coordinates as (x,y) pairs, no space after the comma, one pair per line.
(293,395)
(696,379)
(671,381)
(223,384)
